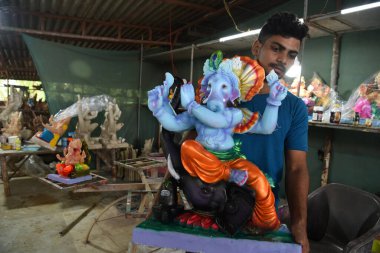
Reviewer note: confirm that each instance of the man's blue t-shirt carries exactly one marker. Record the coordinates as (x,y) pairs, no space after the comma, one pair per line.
(267,151)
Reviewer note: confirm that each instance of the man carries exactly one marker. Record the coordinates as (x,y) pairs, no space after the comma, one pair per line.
(276,48)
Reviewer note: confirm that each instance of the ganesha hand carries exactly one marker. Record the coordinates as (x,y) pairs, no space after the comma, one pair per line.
(159,95)
(239,177)
(277,91)
(62,159)
(155,100)
(169,80)
(187,95)
(271,78)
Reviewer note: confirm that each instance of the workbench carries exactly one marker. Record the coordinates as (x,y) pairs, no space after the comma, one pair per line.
(26,153)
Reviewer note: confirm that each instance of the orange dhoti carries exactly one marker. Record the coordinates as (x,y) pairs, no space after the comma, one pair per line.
(199,162)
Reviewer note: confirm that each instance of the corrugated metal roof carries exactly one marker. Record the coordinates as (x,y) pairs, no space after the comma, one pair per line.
(112,25)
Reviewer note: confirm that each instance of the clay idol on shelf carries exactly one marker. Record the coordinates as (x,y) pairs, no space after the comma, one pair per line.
(72,168)
(215,176)
(363,106)
(302,92)
(319,91)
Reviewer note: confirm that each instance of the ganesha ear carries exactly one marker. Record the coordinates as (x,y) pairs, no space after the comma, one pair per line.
(235,93)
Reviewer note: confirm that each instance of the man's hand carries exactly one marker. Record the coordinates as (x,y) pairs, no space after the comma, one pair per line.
(277,90)
(300,236)
(159,94)
(187,95)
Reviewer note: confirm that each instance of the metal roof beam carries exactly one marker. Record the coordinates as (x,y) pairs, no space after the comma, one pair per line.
(204,8)
(219,11)
(82,37)
(78,19)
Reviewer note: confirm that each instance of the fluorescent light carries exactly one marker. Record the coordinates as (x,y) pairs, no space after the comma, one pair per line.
(240,35)
(360,8)
(249,33)
(295,70)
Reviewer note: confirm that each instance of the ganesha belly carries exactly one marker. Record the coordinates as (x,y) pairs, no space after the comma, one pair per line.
(72,167)
(213,158)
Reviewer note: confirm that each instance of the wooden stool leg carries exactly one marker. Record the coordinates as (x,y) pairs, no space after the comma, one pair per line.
(134,248)
(7,189)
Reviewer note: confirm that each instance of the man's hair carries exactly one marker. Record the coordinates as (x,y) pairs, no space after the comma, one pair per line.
(285,24)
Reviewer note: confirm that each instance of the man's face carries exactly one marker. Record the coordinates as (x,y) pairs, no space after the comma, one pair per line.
(277,53)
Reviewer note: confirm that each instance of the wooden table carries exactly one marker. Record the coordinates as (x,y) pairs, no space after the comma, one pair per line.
(152,183)
(107,154)
(17,153)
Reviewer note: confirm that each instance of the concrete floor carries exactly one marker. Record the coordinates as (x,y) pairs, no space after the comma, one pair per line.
(33,216)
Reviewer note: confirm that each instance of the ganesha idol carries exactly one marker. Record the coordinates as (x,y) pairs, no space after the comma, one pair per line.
(72,164)
(229,191)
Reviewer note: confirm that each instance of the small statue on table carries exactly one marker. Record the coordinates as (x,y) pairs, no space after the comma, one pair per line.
(72,168)
(72,164)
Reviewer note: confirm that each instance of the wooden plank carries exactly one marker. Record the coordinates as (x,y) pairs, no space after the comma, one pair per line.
(96,181)
(119,187)
(345,127)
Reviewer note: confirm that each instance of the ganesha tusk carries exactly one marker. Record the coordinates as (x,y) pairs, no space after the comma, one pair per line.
(205,100)
(171,169)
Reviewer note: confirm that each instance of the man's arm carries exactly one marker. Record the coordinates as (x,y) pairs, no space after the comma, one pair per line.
(297,188)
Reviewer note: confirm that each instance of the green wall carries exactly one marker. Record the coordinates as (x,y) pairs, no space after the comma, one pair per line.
(356,155)
(317,58)
(152,74)
(359,60)
(356,159)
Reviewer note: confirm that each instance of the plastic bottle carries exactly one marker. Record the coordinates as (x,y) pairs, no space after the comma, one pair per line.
(317,113)
(356,119)
(18,144)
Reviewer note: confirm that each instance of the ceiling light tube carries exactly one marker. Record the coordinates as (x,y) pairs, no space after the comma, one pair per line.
(240,35)
(360,8)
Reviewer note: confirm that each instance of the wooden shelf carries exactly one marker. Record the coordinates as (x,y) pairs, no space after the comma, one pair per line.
(345,127)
